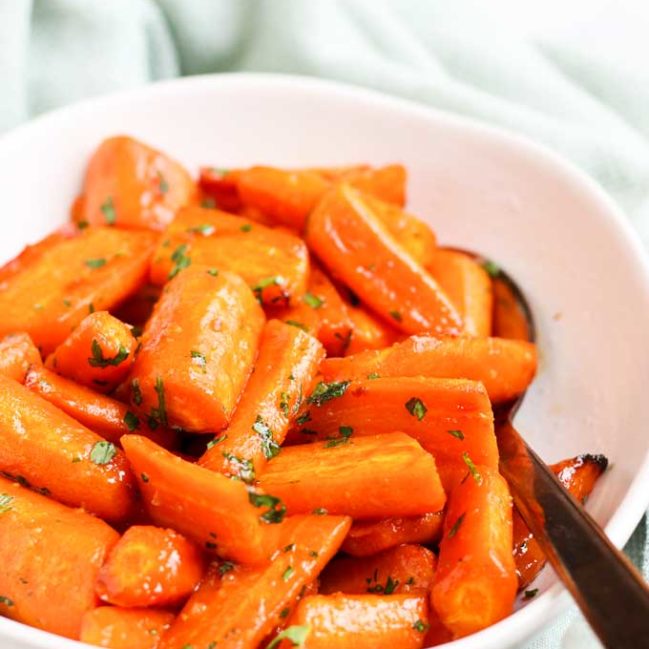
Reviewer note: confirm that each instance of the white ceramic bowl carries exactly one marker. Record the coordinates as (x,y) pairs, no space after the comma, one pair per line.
(481,188)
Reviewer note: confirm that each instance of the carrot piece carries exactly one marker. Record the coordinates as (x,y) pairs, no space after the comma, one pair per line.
(509,319)
(468,286)
(450,418)
(17,353)
(50,558)
(402,569)
(385,183)
(287,364)
(149,566)
(355,245)
(370,537)
(475,582)
(368,477)
(321,312)
(47,295)
(105,416)
(222,186)
(197,350)
(362,621)
(505,367)
(368,332)
(124,628)
(43,447)
(98,353)
(578,475)
(212,510)
(137,309)
(130,185)
(238,606)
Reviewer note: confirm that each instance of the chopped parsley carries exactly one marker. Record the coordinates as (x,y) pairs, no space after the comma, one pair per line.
(389,588)
(103,452)
(244,469)
(246,227)
(226,566)
(416,408)
(421,626)
(163,185)
(276,508)
(217,440)
(345,434)
(206,229)
(108,210)
(458,434)
(373,375)
(283,403)
(210,545)
(67,303)
(491,267)
(144,476)
(199,358)
(136,392)
(303,418)
(269,446)
(295,634)
(456,526)
(263,283)
(299,325)
(319,511)
(314,301)
(284,612)
(529,594)
(95,263)
(131,420)
(98,360)
(213,272)
(159,414)
(288,573)
(324,392)
(472,467)
(208,203)
(82,225)
(396,315)
(6,601)
(5,503)
(180,260)
(289,548)
(91,308)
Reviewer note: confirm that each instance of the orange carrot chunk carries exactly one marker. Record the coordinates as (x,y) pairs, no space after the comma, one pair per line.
(402,569)
(17,353)
(368,332)
(505,367)
(51,555)
(361,621)
(43,447)
(98,353)
(475,582)
(509,318)
(273,262)
(220,188)
(238,606)
(197,351)
(287,364)
(385,183)
(357,247)
(334,477)
(373,536)
(149,566)
(48,294)
(130,185)
(124,628)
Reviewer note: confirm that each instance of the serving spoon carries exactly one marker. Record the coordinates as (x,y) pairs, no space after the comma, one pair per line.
(608,589)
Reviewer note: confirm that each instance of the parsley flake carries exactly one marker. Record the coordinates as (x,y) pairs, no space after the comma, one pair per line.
(276,508)
(180,260)
(288,573)
(159,414)
(144,476)
(295,634)
(136,392)
(213,272)
(492,268)
(131,420)
(472,467)
(345,434)
(373,375)
(314,301)
(303,418)
(299,325)
(416,408)
(163,185)
(103,452)
(226,566)
(421,626)
(324,392)
(95,263)
(199,358)
(217,440)
(456,526)
(99,360)
(108,210)
(208,203)
(244,469)
(269,446)
(246,227)
(5,503)
(6,601)
(319,511)
(529,594)
(458,434)
(206,229)
(396,315)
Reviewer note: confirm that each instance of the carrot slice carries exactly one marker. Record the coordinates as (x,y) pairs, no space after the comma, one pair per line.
(105,416)
(362,621)
(222,187)
(385,183)
(364,477)
(238,606)
(125,628)
(149,566)
(45,448)
(49,294)
(287,364)
(355,245)
(273,262)
(130,185)
(450,418)
(402,569)
(468,286)
(197,350)
(368,332)
(17,353)
(212,510)
(98,353)
(370,537)
(505,367)
(50,555)
(509,319)
(475,582)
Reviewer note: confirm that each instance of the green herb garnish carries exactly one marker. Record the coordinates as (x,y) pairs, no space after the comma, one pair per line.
(421,626)
(95,263)
(456,526)
(206,229)
(180,260)
(217,440)
(269,446)
(345,434)
(314,301)
(324,392)
(136,392)
(108,210)
(276,508)
(199,358)
(458,434)
(472,468)
(131,420)
(295,634)
(98,360)
(491,267)
(5,503)
(416,408)
(103,452)
(244,469)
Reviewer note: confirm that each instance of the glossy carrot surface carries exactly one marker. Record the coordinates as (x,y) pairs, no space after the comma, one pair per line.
(17,354)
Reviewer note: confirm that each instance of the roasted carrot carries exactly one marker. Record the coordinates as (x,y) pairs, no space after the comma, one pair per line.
(355,245)
(125,628)
(197,350)
(368,332)
(362,621)
(17,353)
(238,606)
(137,309)
(385,183)
(509,318)
(402,569)
(45,448)
(222,187)
(50,557)
(475,581)
(334,476)
(451,418)
(105,416)
(505,367)
(287,364)
(149,566)
(99,353)
(370,537)
(130,185)
(49,294)
(217,513)
(273,262)
(578,475)
(468,286)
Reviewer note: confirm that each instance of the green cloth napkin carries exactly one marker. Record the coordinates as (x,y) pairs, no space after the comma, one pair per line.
(459,56)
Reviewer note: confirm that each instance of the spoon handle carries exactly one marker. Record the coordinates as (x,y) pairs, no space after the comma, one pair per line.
(608,589)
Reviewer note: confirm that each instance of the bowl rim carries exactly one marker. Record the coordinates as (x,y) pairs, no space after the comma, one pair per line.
(526,622)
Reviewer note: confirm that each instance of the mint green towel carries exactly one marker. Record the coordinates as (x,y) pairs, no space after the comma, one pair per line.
(459,56)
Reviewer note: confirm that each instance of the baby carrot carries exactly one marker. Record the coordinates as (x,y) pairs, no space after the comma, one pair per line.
(50,557)
(42,446)
(17,353)
(197,350)
(287,364)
